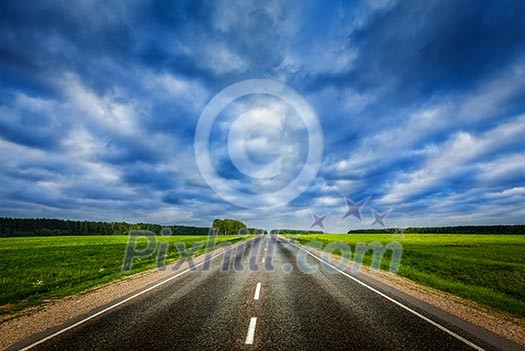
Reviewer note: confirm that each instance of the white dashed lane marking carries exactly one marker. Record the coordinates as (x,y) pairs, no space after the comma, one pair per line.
(257,291)
(251,331)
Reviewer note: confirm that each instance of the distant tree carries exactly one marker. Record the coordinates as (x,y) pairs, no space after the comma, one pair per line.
(228,226)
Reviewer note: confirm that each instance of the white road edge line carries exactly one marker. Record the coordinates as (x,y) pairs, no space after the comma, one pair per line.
(120,302)
(437,325)
(251,331)
(257,291)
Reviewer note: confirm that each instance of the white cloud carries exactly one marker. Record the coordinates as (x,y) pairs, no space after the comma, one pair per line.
(454,156)
(503,168)
(188,93)
(221,60)
(438,116)
(512,192)
(105,111)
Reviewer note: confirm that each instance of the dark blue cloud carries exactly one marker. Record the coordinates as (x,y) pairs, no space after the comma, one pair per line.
(419,101)
(143,174)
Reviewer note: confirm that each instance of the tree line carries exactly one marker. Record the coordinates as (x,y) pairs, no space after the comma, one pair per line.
(464,229)
(11,227)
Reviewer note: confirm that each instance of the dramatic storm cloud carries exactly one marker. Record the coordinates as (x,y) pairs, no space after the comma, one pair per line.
(422,106)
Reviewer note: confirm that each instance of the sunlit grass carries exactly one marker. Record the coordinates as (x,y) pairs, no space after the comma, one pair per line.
(34,269)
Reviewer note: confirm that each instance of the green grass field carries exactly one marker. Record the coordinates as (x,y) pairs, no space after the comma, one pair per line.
(34,269)
(489,269)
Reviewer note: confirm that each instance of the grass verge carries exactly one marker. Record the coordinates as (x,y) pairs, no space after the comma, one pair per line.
(34,269)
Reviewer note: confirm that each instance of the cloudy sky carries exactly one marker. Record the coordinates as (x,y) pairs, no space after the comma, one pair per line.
(421,104)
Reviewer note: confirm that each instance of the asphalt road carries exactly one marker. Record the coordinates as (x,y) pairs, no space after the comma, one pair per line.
(270,310)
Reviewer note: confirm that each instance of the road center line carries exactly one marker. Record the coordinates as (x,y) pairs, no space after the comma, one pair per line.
(437,325)
(251,331)
(257,291)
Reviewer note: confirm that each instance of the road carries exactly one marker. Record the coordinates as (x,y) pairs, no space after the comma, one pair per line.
(268,310)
